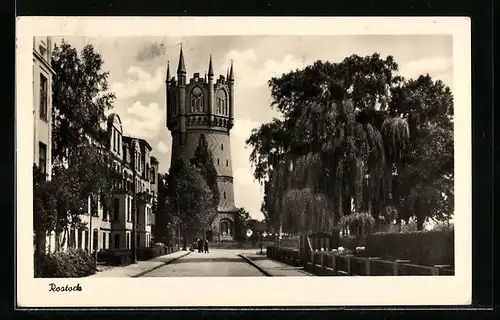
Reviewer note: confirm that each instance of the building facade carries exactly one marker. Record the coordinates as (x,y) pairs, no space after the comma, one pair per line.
(113,229)
(42,103)
(104,229)
(205,106)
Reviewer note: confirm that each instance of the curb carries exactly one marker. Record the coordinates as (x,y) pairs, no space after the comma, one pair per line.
(159,266)
(249,261)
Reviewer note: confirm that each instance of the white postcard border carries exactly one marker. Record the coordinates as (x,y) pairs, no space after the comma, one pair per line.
(248,291)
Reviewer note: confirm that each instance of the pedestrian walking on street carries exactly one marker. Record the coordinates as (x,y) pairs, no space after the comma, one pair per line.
(206,246)
(200,245)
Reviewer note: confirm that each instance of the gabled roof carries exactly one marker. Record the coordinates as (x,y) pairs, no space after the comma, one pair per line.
(128,140)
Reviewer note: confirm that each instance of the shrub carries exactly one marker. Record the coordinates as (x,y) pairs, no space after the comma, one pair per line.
(73,263)
(115,257)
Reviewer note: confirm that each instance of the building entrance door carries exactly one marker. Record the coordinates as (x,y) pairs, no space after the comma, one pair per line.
(210,235)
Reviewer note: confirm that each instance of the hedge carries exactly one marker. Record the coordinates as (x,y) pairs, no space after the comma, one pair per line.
(423,248)
(115,257)
(124,257)
(73,263)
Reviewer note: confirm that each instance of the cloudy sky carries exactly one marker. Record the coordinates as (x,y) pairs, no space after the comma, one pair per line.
(137,76)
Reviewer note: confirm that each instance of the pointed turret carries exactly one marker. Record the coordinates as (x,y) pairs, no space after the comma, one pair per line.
(231,74)
(167,96)
(182,67)
(210,68)
(181,70)
(227,74)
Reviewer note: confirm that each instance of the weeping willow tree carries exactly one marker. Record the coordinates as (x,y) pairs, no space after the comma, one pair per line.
(340,147)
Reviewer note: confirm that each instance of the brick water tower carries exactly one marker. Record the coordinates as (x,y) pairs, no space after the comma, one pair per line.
(205,106)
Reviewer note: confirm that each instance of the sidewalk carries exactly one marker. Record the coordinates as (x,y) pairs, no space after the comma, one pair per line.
(273,268)
(141,267)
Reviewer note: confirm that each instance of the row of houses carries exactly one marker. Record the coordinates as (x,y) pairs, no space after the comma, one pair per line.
(132,157)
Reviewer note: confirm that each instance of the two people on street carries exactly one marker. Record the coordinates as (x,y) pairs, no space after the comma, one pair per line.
(202,247)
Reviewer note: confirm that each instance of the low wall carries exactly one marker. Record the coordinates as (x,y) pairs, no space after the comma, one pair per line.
(423,248)
(333,264)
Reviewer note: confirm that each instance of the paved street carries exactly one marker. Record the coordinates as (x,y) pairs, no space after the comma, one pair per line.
(216,263)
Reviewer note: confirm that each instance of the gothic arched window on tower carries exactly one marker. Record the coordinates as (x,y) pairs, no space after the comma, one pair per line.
(196,100)
(221,102)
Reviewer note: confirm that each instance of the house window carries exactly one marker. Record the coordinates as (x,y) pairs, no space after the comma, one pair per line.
(86,240)
(221,102)
(197,100)
(129,211)
(224,227)
(104,240)
(119,143)
(104,213)
(72,240)
(227,163)
(43,97)
(128,240)
(218,162)
(153,180)
(80,239)
(222,146)
(117,241)
(95,239)
(42,158)
(224,194)
(116,209)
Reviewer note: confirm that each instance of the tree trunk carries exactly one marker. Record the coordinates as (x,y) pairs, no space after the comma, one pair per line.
(420,223)
(419,215)
(184,240)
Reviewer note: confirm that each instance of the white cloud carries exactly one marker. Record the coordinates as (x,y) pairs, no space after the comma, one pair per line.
(139,81)
(256,72)
(142,121)
(162,147)
(247,56)
(243,127)
(432,66)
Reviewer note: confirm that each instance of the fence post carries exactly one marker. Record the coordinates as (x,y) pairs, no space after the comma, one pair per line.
(439,269)
(312,261)
(349,267)
(333,265)
(369,265)
(322,262)
(396,266)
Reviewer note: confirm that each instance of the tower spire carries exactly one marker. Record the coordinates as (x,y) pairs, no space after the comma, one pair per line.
(182,67)
(210,68)
(231,74)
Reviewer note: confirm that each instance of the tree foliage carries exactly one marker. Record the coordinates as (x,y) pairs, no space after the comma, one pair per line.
(189,198)
(79,99)
(81,165)
(355,137)
(241,223)
(203,160)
